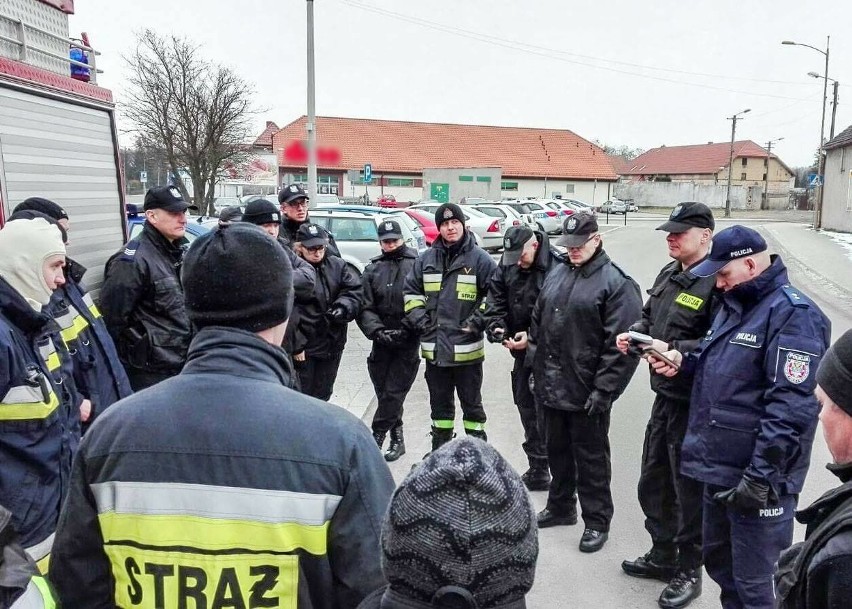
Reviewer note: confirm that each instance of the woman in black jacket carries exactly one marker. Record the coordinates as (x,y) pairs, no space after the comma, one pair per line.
(338,301)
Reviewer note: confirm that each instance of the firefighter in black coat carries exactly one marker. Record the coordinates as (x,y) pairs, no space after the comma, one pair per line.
(394,360)
(338,300)
(512,292)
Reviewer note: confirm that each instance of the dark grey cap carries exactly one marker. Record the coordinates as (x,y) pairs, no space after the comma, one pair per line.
(577,229)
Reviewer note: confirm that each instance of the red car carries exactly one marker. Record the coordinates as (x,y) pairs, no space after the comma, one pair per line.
(426,222)
(387,201)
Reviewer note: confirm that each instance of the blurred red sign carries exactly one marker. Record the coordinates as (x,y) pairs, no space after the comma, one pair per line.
(66,6)
(296,153)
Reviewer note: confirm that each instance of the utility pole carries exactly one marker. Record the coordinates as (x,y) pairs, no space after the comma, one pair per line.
(312,118)
(765,204)
(733,120)
(833,110)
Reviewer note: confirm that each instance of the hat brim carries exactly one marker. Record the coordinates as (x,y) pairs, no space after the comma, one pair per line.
(288,200)
(314,242)
(389,236)
(708,267)
(675,227)
(572,240)
(511,257)
(177,206)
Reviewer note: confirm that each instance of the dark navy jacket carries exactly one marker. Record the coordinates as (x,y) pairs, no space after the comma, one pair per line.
(753,410)
(98,373)
(39,420)
(223,483)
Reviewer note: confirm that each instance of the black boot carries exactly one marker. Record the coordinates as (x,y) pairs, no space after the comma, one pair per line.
(379,437)
(659,563)
(684,587)
(477,433)
(397,444)
(440,437)
(536,478)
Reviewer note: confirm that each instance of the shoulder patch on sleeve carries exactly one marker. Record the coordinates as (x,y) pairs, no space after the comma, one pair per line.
(797,299)
(129,251)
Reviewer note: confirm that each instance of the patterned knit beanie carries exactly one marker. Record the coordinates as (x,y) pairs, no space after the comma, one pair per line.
(462,518)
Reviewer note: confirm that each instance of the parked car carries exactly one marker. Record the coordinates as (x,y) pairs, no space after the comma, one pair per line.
(426,222)
(547,220)
(387,201)
(220,202)
(356,234)
(325,199)
(411,223)
(561,206)
(509,214)
(614,206)
(523,209)
(473,201)
(488,231)
(582,206)
(631,206)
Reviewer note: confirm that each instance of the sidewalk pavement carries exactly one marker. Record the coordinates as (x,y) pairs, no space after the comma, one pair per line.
(353,389)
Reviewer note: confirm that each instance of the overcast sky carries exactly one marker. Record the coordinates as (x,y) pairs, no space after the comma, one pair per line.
(626,72)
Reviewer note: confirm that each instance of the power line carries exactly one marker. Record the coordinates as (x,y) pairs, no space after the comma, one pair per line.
(549,53)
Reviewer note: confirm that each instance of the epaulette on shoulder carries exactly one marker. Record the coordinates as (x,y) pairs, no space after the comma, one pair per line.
(376,258)
(620,270)
(797,299)
(130,249)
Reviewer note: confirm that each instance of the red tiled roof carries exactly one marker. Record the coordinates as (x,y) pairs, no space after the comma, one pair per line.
(694,159)
(264,140)
(620,163)
(408,147)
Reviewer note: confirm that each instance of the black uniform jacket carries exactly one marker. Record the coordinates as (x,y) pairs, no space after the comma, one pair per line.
(383,281)
(336,284)
(580,311)
(142,303)
(679,311)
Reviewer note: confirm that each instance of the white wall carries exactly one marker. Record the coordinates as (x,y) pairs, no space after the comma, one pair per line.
(587,192)
(400,193)
(837,198)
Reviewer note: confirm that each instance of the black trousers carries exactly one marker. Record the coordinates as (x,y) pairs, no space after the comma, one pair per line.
(317,375)
(142,379)
(444,382)
(579,456)
(392,371)
(672,503)
(532,417)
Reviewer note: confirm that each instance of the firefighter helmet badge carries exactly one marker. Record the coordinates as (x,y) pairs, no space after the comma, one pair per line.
(797,367)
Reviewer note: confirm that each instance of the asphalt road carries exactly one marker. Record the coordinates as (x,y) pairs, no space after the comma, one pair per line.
(564,576)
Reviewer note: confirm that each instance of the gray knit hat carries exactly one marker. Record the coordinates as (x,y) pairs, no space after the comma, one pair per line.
(461,518)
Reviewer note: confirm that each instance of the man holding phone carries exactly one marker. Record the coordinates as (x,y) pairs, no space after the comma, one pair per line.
(753,413)
(512,293)
(679,310)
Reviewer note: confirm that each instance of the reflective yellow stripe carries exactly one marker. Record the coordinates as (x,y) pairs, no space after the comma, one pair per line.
(466,291)
(43,565)
(432,282)
(213,533)
(412,304)
(474,425)
(468,357)
(442,423)
(155,578)
(482,306)
(23,403)
(49,355)
(427,351)
(52,361)
(432,287)
(93,309)
(72,332)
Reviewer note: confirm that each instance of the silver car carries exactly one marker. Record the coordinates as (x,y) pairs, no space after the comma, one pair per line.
(356,233)
(507,212)
(487,231)
(548,220)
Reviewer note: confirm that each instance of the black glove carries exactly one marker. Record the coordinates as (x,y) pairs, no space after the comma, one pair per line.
(336,314)
(597,403)
(396,337)
(749,494)
(495,333)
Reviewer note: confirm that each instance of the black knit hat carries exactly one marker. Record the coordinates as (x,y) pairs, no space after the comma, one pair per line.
(237,276)
(45,206)
(448,211)
(835,372)
(261,211)
(461,518)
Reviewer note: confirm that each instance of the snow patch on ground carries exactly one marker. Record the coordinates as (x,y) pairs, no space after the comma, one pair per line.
(844,240)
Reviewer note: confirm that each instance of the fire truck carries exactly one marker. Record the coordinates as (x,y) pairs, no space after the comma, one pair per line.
(57,129)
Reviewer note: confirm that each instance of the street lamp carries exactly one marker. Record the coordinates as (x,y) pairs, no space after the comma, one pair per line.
(834,102)
(733,120)
(821,163)
(312,117)
(766,175)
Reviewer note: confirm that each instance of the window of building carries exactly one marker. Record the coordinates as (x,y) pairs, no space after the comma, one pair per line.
(743,176)
(569,189)
(745,162)
(483,178)
(401,182)
(511,186)
(326,184)
(465,178)
(764,177)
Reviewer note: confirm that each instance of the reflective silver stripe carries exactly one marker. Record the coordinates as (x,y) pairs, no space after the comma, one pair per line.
(427,346)
(410,297)
(432,277)
(47,350)
(171,498)
(466,279)
(30,599)
(468,348)
(41,549)
(23,394)
(87,299)
(67,320)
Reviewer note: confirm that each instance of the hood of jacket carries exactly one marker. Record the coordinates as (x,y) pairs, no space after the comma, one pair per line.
(219,349)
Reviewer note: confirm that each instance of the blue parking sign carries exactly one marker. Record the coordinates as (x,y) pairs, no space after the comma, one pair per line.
(368,173)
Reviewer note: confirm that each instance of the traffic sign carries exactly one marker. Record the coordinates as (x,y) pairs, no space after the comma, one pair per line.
(814,180)
(143,176)
(368,173)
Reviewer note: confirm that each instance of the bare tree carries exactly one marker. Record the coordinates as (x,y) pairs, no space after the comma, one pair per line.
(196,112)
